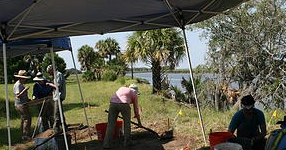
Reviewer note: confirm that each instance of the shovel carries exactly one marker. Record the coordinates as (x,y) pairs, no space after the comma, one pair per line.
(148,129)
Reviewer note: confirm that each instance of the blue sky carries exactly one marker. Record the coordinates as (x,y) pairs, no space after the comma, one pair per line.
(197,47)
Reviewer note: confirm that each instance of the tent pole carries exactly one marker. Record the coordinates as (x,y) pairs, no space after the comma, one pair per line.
(6,94)
(182,25)
(57,97)
(193,84)
(81,95)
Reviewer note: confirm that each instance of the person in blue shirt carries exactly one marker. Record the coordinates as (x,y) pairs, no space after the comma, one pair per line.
(43,89)
(249,123)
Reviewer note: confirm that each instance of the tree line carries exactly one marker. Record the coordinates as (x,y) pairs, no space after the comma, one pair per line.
(32,64)
(246,45)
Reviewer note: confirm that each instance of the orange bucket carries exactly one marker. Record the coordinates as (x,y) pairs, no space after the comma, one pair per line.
(218,137)
(101,129)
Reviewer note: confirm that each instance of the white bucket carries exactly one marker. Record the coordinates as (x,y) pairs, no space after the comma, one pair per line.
(228,146)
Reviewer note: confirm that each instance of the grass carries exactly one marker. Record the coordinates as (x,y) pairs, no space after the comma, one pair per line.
(156,112)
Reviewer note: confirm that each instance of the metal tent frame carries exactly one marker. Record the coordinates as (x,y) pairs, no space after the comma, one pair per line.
(40,46)
(58,18)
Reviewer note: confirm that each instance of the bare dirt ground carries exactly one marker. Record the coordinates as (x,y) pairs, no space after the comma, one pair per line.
(86,139)
(142,139)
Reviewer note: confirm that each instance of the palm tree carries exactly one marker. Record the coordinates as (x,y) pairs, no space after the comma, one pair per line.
(129,56)
(107,48)
(98,66)
(157,48)
(86,56)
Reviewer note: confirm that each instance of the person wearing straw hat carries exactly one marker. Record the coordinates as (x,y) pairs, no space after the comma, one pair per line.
(43,89)
(250,124)
(120,103)
(21,97)
(61,84)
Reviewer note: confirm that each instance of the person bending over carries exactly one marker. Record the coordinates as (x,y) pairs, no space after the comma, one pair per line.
(120,103)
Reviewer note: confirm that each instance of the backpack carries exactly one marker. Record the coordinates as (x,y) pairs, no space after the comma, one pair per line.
(276,140)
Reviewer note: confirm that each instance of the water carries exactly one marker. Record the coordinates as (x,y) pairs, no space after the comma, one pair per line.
(174,78)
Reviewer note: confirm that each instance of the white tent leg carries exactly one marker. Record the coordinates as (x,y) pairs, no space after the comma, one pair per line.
(58,98)
(6,94)
(81,96)
(180,23)
(193,84)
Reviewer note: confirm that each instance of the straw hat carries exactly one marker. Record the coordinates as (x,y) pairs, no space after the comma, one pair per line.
(22,74)
(134,88)
(39,77)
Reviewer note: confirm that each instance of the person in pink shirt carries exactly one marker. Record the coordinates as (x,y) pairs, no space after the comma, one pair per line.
(120,103)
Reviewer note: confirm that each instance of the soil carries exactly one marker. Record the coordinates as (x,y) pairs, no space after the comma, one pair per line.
(86,139)
(142,140)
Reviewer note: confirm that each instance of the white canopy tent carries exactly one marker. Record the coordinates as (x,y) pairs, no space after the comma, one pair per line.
(59,18)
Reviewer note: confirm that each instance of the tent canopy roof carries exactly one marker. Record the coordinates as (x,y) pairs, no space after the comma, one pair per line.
(59,18)
(35,46)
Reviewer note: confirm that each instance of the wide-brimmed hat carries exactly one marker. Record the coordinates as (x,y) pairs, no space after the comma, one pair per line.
(247,102)
(134,88)
(39,77)
(22,74)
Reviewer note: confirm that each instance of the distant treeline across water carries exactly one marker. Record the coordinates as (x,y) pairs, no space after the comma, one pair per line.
(145,70)
(176,78)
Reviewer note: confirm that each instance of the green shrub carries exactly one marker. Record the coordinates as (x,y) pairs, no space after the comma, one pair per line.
(121,80)
(140,80)
(88,76)
(109,76)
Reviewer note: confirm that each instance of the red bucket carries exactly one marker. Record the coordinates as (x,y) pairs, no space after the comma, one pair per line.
(218,137)
(101,129)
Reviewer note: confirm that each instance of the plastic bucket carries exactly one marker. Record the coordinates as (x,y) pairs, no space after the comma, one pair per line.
(101,129)
(228,146)
(218,137)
